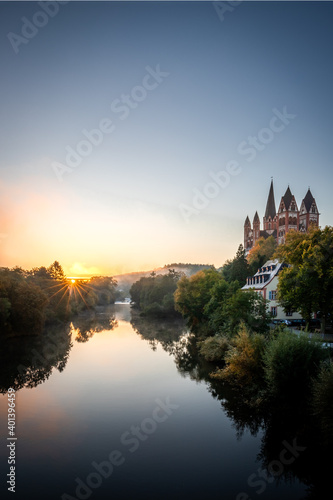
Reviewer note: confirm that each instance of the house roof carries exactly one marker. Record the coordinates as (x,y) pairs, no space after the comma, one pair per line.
(270,206)
(275,264)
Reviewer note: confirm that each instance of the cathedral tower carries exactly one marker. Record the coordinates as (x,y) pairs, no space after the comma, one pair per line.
(248,236)
(309,214)
(256,228)
(288,215)
(270,213)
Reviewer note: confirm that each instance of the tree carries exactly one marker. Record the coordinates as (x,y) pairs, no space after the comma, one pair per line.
(262,251)
(307,286)
(22,304)
(237,268)
(212,305)
(56,272)
(154,294)
(194,293)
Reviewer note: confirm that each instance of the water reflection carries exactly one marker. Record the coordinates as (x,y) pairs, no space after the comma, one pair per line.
(90,322)
(166,332)
(293,446)
(29,361)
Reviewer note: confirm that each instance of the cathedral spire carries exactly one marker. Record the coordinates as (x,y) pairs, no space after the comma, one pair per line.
(270,206)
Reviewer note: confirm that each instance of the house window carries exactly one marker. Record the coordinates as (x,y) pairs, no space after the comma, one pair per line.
(272,295)
(274,311)
(289,312)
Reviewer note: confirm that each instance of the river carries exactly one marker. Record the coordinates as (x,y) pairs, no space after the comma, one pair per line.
(112,409)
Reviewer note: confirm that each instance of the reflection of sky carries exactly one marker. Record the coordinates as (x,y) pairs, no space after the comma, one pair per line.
(109,385)
(119,209)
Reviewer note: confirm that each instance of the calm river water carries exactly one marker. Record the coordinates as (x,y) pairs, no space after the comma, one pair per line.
(109,409)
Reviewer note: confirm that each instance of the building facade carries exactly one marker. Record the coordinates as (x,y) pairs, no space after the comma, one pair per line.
(278,223)
(265,283)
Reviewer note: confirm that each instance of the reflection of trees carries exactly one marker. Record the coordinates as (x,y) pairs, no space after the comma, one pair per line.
(87,324)
(29,361)
(166,332)
(292,424)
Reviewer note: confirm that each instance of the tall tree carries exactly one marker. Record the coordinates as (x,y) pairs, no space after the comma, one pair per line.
(237,268)
(56,271)
(307,286)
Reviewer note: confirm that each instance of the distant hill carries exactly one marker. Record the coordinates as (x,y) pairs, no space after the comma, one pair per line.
(125,281)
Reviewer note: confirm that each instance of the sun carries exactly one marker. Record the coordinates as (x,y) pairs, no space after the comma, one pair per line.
(73,281)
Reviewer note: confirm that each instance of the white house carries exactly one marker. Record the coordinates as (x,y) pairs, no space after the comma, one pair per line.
(265,282)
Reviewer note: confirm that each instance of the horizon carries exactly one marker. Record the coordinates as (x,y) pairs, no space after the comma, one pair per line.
(136,134)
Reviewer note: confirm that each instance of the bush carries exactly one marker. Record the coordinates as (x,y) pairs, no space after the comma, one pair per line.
(214,348)
(244,365)
(322,392)
(291,362)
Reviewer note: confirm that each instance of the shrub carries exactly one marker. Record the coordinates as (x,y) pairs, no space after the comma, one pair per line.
(244,365)
(291,362)
(214,348)
(322,392)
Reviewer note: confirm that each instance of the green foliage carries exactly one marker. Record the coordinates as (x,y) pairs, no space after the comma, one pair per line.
(241,306)
(194,293)
(322,403)
(212,305)
(244,361)
(22,304)
(238,268)
(214,348)
(103,290)
(308,285)
(28,299)
(154,295)
(291,362)
(262,251)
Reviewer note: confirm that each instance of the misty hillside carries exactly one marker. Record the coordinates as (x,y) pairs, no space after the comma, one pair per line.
(125,281)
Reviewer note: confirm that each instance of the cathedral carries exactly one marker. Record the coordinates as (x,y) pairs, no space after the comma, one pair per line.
(278,223)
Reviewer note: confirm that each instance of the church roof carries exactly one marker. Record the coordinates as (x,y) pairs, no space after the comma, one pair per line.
(256,217)
(287,198)
(270,207)
(308,200)
(247,221)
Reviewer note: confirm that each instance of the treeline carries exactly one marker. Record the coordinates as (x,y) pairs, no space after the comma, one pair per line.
(29,299)
(154,295)
(270,368)
(187,269)
(213,305)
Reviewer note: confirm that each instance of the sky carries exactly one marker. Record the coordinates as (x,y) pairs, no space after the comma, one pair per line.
(138,134)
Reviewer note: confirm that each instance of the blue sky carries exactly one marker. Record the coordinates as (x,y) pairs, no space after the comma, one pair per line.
(130,204)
